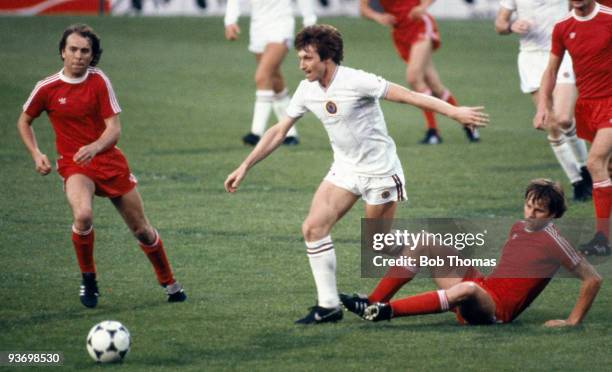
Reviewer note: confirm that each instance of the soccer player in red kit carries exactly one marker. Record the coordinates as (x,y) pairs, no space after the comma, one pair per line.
(82,107)
(586,33)
(415,36)
(531,256)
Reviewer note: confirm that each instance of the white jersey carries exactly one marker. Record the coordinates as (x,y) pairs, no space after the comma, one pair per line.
(542,14)
(350,112)
(265,12)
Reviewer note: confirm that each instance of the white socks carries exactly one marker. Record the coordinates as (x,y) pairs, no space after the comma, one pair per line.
(261,111)
(322,259)
(578,145)
(565,156)
(265,102)
(280,104)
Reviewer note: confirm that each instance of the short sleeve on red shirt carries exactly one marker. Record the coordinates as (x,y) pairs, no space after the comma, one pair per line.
(562,250)
(107,101)
(557,47)
(37,100)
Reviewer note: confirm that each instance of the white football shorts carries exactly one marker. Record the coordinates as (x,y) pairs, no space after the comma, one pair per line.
(373,190)
(532,64)
(262,34)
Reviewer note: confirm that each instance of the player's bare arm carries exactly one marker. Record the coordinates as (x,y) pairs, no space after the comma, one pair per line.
(384,19)
(591,282)
(467,116)
(269,142)
(41,162)
(545,96)
(109,138)
(418,11)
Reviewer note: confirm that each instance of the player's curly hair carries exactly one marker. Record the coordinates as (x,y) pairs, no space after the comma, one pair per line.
(549,192)
(326,39)
(86,32)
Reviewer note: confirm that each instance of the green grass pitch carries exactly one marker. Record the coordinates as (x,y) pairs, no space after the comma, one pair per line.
(187,98)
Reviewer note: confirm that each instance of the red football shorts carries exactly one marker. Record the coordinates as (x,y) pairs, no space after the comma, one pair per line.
(109,171)
(591,115)
(411,32)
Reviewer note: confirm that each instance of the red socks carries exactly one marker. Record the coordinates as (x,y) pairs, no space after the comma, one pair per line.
(157,255)
(83,242)
(388,286)
(430,116)
(424,303)
(602,201)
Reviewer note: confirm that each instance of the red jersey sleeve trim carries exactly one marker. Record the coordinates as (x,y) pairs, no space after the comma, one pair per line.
(565,246)
(37,89)
(109,87)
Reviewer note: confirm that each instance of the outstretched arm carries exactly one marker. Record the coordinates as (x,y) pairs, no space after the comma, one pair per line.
(545,95)
(591,282)
(266,145)
(467,116)
(24,125)
(366,11)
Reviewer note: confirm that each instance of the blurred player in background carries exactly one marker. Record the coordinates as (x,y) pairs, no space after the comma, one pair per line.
(532,254)
(586,33)
(271,34)
(84,112)
(365,160)
(415,36)
(534,23)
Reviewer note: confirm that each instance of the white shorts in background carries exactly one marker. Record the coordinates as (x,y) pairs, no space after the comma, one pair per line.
(277,32)
(532,64)
(373,190)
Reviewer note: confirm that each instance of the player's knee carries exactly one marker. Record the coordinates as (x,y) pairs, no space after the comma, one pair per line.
(83,218)
(144,234)
(564,121)
(312,231)
(595,164)
(263,79)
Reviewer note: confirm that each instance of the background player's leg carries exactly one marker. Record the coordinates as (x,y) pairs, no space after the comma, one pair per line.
(600,156)
(438,89)
(79,192)
(420,53)
(268,63)
(329,204)
(572,151)
(280,103)
(130,207)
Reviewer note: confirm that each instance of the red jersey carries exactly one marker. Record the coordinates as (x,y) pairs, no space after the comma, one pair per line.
(400,9)
(76,108)
(607,3)
(589,42)
(528,261)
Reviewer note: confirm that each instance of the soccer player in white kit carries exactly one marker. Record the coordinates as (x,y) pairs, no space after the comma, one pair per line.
(271,35)
(365,161)
(534,23)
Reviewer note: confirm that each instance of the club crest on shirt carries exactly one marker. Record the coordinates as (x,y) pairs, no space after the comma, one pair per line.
(385,194)
(62,100)
(331,107)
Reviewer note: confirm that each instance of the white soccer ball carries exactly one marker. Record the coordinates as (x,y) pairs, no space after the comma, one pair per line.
(108,341)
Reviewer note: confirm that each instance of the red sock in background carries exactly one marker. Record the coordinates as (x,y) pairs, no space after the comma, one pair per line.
(83,242)
(395,278)
(602,201)
(447,96)
(424,303)
(430,116)
(157,255)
